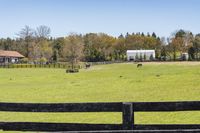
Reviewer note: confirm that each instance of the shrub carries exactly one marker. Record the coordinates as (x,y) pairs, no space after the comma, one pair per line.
(151,57)
(136,57)
(145,57)
(24,60)
(43,60)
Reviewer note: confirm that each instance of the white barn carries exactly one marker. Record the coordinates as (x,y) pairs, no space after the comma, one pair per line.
(134,55)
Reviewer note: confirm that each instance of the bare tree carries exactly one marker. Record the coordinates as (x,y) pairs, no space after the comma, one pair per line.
(43,31)
(27,34)
(42,34)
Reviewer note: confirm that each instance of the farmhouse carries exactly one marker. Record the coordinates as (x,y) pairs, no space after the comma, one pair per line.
(10,56)
(134,55)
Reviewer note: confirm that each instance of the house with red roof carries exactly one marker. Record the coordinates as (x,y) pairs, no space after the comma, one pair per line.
(10,56)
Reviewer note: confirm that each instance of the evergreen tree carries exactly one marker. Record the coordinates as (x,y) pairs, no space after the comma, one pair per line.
(148,35)
(154,35)
(121,36)
(191,52)
(127,34)
(142,34)
(151,57)
(141,57)
(55,56)
(136,56)
(145,57)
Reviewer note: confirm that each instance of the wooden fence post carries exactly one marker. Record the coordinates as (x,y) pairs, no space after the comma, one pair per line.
(128,116)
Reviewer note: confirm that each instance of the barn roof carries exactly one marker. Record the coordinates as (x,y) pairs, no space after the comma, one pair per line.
(4,53)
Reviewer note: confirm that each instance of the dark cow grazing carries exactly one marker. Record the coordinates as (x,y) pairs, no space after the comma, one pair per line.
(157,75)
(139,65)
(87,65)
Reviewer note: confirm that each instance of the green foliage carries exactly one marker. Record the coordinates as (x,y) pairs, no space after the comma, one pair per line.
(55,56)
(180,33)
(196,45)
(191,52)
(151,57)
(73,49)
(43,60)
(163,53)
(136,56)
(24,60)
(58,45)
(99,46)
(154,35)
(141,57)
(145,57)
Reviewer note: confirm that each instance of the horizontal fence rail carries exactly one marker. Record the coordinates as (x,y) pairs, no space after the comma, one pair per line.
(57,65)
(34,126)
(127,109)
(166,106)
(64,66)
(61,107)
(100,107)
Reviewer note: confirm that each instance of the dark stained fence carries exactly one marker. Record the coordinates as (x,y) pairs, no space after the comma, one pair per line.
(55,65)
(127,110)
(105,62)
(62,66)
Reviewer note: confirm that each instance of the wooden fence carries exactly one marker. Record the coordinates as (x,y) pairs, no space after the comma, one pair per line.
(106,62)
(64,66)
(127,110)
(56,65)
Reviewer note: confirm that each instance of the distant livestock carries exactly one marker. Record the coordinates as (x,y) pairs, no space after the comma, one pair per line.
(87,65)
(139,65)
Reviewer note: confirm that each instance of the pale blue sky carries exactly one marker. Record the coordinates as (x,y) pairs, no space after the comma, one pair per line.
(109,16)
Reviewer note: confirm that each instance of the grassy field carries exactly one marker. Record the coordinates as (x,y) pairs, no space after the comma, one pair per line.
(103,83)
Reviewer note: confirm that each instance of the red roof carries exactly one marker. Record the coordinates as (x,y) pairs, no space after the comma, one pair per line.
(10,54)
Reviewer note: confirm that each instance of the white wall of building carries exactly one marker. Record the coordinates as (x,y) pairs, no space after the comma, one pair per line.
(9,60)
(133,54)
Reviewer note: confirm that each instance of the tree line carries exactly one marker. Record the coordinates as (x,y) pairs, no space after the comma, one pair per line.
(38,45)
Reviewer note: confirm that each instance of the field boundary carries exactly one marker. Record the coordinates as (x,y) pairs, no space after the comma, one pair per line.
(127,109)
(62,66)
(56,65)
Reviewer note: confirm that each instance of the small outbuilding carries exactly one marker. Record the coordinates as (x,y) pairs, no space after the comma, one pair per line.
(142,55)
(184,56)
(10,56)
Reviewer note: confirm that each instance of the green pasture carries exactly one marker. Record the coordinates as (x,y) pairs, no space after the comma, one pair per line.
(103,83)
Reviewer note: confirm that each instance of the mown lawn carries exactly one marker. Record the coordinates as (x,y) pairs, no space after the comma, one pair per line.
(103,83)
